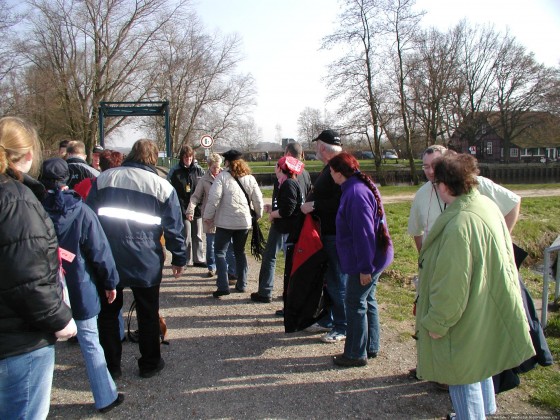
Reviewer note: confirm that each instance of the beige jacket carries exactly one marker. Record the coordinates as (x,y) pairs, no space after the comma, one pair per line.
(227,206)
(200,196)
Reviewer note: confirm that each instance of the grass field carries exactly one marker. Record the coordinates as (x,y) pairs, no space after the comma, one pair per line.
(536,229)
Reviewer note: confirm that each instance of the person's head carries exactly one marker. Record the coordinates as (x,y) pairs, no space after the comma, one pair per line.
(455,174)
(428,156)
(214,163)
(54,173)
(20,148)
(343,166)
(110,159)
(144,151)
(62,147)
(294,150)
(328,145)
(237,166)
(288,167)
(186,155)
(76,148)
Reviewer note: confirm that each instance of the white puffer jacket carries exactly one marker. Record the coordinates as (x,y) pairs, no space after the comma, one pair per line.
(227,205)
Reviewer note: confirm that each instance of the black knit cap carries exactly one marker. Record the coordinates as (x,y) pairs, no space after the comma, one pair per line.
(54,173)
(329,137)
(232,155)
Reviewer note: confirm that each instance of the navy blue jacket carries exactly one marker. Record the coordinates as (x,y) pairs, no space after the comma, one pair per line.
(135,207)
(93,269)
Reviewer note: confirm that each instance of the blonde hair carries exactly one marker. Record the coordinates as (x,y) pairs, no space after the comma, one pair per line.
(76,147)
(214,158)
(239,168)
(17,138)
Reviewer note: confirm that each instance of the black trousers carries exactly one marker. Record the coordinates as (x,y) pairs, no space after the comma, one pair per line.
(147,313)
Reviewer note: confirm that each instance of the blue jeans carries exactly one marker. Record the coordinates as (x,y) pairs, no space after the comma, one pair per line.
(25,384)
(336,287)
(221,244)
(102,385)
(362,332)
(211,259)
(268,264)
(473,401)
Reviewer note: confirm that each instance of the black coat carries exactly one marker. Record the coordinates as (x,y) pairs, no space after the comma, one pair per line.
(184,180)
(31,307)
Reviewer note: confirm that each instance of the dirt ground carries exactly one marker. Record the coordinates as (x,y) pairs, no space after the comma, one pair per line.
(230,358)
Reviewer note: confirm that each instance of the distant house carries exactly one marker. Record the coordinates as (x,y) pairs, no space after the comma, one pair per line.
(537,138)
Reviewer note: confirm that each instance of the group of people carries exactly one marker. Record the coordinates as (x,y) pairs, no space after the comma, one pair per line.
(89,234)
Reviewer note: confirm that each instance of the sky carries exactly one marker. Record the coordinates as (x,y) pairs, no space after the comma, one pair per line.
(281,42)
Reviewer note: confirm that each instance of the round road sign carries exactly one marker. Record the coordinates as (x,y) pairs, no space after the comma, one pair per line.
(206,141)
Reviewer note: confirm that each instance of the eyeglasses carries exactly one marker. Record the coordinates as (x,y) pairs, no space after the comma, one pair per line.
(426,167)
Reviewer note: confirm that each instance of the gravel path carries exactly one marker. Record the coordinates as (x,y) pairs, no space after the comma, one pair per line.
(230,358)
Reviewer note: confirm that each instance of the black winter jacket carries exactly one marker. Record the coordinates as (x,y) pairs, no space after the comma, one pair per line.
(79,170)
(31,307)
(184,180)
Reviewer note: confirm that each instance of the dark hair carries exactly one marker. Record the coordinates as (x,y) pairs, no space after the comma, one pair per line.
(110,159)
(347,165)
(186,150)
(63,143)
(294,150)
(457,171)
(143,151)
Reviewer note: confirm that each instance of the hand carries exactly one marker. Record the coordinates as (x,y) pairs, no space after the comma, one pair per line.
(307,207)
(434,335)
(177,271)
(111,295)
(67,332)
(365,279)
(190,217)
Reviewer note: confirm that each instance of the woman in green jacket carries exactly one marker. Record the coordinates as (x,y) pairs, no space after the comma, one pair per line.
(470,320)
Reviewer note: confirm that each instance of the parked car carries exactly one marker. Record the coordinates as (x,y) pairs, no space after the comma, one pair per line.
(310,156)
(367,155)
(390,154)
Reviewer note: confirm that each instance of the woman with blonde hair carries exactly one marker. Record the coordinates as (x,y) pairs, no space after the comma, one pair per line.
(32,312)
(200,197)
(228,208)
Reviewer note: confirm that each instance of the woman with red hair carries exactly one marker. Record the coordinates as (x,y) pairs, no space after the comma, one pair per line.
(364,249)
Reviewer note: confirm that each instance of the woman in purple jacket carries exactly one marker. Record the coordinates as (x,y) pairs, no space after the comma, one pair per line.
(364,250)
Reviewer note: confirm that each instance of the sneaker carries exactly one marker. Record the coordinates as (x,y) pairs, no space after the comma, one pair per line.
(279,312)
(371,354)
(316,328)
(255,297)
(333,337)
(211,273)
(116,403)
(343,361)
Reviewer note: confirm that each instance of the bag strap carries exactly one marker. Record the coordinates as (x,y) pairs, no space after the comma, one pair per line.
(244,192)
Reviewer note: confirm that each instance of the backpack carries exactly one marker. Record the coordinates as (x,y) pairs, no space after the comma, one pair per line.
(133,335)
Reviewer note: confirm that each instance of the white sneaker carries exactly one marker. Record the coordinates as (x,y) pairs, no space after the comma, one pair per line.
(333,337)
(316,328)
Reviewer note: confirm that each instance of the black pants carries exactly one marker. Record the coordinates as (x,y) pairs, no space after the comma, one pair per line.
(147,313)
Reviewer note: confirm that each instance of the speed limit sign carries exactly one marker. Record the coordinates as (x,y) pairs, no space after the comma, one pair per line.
(206,141)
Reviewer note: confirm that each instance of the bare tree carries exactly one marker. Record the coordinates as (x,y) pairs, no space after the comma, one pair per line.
(402,25)
(196,73)
(353,78)
(310,124)
(432,77)
(246,135)
(521,83)
(95,51)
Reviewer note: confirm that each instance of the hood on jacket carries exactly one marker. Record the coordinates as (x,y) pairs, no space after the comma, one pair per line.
(61,206)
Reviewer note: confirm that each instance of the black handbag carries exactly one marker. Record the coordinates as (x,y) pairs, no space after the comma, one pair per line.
(257,238)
